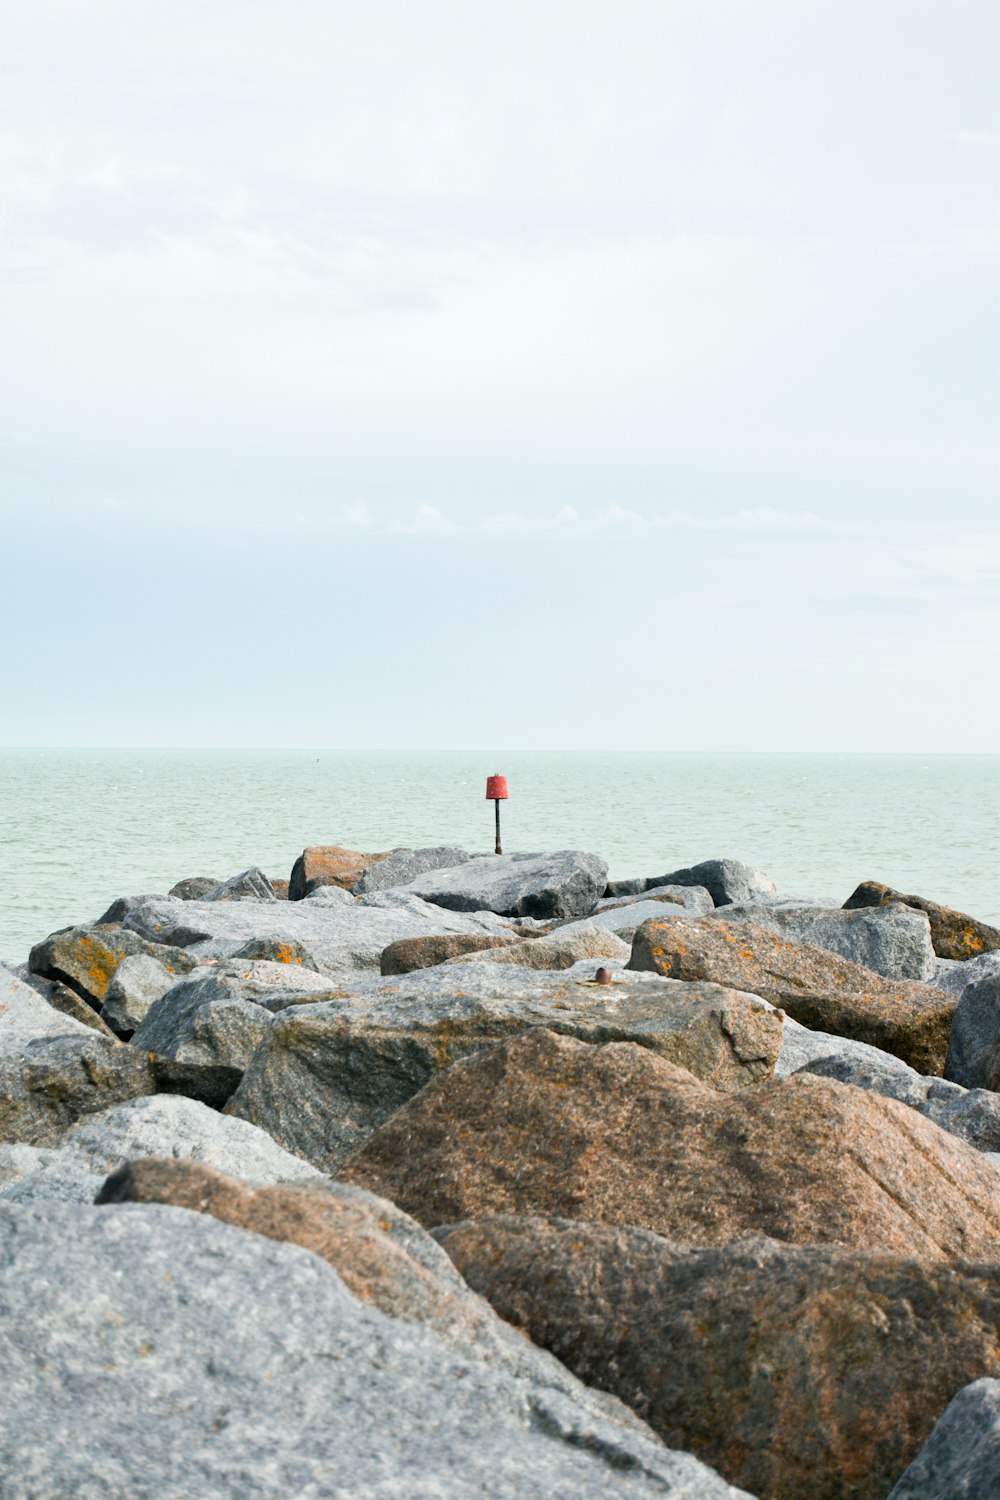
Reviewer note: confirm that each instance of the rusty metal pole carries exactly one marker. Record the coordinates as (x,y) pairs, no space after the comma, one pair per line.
(496,791)
(496,804)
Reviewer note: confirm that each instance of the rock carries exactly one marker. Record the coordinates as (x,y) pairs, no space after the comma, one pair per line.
(343,935)
(558,950)
(726,880)
(693,898)
(971,1114)
(409,954)
(273,950)
(193,888)
(894,941)
(119,910)
(239,1365)
(135,984)
(624,920)
(954,977)
(814,986)
(953,934)
(63,999)
(795,1371)
(327,1075)
(85,958)
(165,1125)
(25,1016)
(974,1045)
(280,888)
(214,1018)
(544,1124)
(250,885)
(961,1458)
(567,883)
(329,865)
(403,865)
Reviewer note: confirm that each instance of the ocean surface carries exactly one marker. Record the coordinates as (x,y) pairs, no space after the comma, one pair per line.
(80,827)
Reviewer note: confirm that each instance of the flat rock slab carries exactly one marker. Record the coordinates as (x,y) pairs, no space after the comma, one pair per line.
(816,987)
(327,1075)
(545,1124)
(236,1365)
(166,1125)
(953,934)
(961,1458)
(329,864)
(795,1371)
(343,935)
(568,883)
(894,941)
(404,865)
(86,958)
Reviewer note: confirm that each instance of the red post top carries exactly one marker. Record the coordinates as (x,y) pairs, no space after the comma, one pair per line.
(496,789)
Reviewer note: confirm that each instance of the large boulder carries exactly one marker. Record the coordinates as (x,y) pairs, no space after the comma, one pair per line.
(192,887)
(164,1125)
(568,883)
(239,1365)
(974,1044)
(408,954)
(544,1124)
(726,880)
(953,934)
(404,865)
(795,1371)
(894,940)
(329,864)
(814,986)
(86,958)
(971,1114)
(249,885)
(693,898)
(557,950)
(961,1458)
(137,982)
(62,998)
(327,1075)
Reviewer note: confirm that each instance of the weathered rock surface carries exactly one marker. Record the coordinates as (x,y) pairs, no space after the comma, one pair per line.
(626,918)
(135,984)
(802,1045)
(894,940)
(567,883)
(726,880)
(214,1018)
(237,1365)
(961,1458)
(974,1044)
(427,952)
(327,1075)
(794,1371)
(954,977)
(557,950)
(249,885)
(816,987)
(193,887)
(329,864)
(694,898)
(63,999)
(544,1124)
(164,1125)
(404,865)
(343,936)
(971,1114)
(26,1016)
(277,952)
(953,934)
(85,958)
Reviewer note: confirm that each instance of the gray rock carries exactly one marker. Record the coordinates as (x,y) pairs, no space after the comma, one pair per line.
(974,1044)
(955,975)
(63,999)
(277,952)
(135,984)
(215,1018)
(26,1017)
(971,1114)
(327,1075)
(405,864)
(556,950)
(802,1046)
(165,1125)
(961,1458)
(891,940)
(249,885)
(627,918)
(193,887)
(119,910)
(726,880)
(238,1365)
(693,898)
(567,883)
(342,938)
(85,958)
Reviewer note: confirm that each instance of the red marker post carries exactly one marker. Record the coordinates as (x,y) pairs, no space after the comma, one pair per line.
(496,791)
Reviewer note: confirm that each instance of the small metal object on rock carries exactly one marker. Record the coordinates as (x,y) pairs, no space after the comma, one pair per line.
(496,789)
(603,976)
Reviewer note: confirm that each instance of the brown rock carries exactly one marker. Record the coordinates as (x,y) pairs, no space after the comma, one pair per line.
(817,988)
(560,951)
(793,1371)
(953,934)
(543,1124)
(408,954)
(329,865)
(280,889)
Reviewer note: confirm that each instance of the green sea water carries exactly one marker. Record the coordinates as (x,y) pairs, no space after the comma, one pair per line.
(80,827)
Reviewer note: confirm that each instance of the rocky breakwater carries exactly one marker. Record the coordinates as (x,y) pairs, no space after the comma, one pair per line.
(284,1185)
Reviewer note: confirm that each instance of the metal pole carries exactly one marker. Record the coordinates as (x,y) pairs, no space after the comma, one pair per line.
(497,805)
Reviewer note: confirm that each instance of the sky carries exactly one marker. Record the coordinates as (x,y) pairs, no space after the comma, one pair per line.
(552,375)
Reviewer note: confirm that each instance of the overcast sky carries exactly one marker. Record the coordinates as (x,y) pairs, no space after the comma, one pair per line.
(613,375)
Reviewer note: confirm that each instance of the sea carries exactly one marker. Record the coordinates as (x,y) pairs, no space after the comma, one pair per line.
(80,827)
